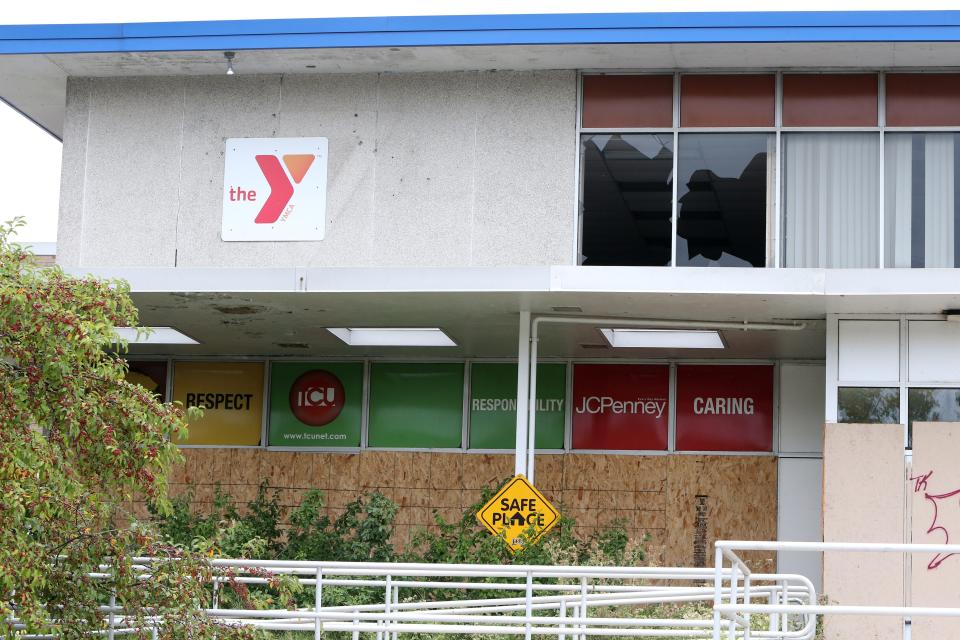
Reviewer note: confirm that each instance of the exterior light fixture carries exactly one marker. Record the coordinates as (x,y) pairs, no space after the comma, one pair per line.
(229,55)
(663,339)
(157,335)
(393,337)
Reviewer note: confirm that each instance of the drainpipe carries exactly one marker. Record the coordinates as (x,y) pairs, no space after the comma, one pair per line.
(528,356)
(523,380)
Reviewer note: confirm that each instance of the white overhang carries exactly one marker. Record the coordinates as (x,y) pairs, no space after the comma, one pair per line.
(285,312)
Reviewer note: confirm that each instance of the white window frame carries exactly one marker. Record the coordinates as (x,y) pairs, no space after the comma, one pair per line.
(775,217)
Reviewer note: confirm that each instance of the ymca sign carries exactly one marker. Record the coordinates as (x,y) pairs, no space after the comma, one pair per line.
(274,189)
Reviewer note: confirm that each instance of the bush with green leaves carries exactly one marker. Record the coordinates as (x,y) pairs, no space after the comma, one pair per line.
(466,541)
(364,532)
(361,533)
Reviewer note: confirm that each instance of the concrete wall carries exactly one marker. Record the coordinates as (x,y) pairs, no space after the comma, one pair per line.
(681,503)
(439,169)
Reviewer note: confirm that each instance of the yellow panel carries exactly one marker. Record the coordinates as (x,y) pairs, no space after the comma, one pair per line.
(232,396)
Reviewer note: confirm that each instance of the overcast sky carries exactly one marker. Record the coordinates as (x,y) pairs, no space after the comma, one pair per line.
(30,166)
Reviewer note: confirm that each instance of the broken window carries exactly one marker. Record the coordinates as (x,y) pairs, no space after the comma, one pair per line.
(627,199)
(724,198)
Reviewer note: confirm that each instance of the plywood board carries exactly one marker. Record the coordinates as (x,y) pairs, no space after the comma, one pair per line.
(934,484)
(655,495)
(707,501)
(863,501)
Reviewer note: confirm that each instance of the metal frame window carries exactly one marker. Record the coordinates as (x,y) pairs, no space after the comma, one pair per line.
(903,383)
(465,426)
(775,248)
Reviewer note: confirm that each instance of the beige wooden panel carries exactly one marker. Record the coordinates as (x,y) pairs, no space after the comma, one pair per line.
(935,517)
(712,498)
(863,501)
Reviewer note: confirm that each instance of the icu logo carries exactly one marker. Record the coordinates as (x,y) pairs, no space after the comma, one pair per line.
(316,398)
(274,189)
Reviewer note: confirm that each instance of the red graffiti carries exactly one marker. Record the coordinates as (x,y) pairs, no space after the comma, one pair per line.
(920,484)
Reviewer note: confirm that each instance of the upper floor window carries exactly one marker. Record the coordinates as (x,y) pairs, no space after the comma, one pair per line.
(922,199)
(781,169)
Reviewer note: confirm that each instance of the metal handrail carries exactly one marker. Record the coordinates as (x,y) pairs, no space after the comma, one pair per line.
(734,614)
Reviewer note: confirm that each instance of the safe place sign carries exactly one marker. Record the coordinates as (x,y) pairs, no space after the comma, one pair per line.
(516,508)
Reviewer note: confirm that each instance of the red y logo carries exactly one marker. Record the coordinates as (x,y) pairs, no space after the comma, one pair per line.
(280,188)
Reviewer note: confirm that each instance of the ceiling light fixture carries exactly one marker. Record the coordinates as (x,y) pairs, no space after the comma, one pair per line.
(157,335)
(393,337)
(663,339)
(229,55)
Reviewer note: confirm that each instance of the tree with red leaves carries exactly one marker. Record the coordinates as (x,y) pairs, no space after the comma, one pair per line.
(77,442)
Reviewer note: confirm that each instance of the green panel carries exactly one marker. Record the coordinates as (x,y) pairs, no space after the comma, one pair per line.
(286,430)
(416,405)
(493,405)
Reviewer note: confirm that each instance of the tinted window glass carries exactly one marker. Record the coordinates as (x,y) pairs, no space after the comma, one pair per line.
(627,101)
(931,405)
(868,405)
(735,100)
(831,197)
(724,195)
(830,100)
(923,99)
(627,190)
(922,199)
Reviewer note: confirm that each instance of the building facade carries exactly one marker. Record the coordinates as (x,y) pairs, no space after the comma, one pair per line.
(721,230)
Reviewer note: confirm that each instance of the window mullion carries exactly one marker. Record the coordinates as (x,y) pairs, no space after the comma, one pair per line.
(675,209)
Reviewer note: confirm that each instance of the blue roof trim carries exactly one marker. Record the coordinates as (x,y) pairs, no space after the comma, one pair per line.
(538,29)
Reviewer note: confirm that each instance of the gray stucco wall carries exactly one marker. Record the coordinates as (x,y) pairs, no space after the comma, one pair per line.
(439,169)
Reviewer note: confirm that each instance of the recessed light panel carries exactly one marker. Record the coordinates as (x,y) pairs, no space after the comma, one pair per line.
(158,335)
(662,339)
(393,337)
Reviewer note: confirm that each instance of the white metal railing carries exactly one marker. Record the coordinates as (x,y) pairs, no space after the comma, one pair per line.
(733,605)
(568,602)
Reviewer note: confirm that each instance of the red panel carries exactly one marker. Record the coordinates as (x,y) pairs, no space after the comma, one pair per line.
(923,99)
(724,408)
(627,101)
(727,100)
(620,406)
(830,100)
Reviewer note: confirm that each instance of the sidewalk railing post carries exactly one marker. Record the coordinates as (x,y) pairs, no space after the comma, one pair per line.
(317,605)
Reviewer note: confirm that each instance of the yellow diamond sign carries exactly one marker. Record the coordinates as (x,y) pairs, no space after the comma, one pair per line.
(516,509)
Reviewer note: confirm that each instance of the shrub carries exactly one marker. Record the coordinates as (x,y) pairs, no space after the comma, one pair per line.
(466,541)
(362,533)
